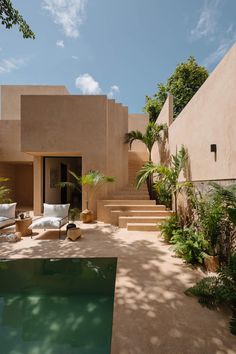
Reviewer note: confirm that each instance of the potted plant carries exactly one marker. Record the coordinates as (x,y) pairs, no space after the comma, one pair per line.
(90,182)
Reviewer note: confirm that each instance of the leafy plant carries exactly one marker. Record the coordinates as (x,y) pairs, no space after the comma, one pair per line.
(215,291)
(187,78)
(166,177)
(4,191)
(210,218)
(10,17)
(73,213)
(169,226)
(190,245)
(91,181)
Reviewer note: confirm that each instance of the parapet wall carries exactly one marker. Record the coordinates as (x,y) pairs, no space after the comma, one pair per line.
(209,118)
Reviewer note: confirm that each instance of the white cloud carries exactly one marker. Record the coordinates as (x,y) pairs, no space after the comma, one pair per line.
(223,47)
(207,22)
(87,85)
(60,44)
(75,57)
(11,64)
(113,91)
(69,14)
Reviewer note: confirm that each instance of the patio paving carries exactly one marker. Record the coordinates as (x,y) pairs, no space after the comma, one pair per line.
(151,313)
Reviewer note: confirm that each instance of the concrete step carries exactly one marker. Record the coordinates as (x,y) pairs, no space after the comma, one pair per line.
(144,212)
(130,197)
(130,202)
(124,220)
(134,207)
(142,227)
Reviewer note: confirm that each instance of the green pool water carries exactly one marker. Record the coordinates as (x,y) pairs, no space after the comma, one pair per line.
(56,306)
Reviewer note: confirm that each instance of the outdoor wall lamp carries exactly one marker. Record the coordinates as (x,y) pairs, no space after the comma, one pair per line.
(213,148)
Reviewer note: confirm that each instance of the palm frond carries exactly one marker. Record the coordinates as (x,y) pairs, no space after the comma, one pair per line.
(132,136)
(146,171)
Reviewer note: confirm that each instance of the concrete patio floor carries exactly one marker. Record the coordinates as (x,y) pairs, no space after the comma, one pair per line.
(152,315)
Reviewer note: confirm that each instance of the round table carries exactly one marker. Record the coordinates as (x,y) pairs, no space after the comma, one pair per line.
(22,226)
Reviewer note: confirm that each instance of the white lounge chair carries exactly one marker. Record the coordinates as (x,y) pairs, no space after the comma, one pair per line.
(7,214)
(54,217)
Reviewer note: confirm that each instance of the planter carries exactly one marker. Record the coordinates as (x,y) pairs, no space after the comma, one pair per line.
(86,216)
(211,263)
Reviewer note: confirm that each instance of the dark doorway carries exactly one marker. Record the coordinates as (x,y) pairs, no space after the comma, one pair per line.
(56,169)
(63,179)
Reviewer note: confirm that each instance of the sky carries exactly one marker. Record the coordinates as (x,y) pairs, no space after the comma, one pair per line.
(120,48)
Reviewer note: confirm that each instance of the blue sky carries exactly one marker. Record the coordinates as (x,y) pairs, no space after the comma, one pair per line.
(122,48)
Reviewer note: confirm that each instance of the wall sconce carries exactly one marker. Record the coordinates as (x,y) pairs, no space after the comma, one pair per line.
(213,148)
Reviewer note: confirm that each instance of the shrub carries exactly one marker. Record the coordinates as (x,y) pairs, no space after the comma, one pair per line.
(169,226)
(190,245)
(221,289)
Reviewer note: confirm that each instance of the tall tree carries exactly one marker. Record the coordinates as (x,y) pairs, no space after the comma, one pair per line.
(187,78)
(10,17)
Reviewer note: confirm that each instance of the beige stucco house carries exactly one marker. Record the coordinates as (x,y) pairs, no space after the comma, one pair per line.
(45,131)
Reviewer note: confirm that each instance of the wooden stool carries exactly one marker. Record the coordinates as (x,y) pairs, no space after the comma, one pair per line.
(22,226)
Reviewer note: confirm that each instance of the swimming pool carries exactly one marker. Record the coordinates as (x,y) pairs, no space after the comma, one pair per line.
(56,306)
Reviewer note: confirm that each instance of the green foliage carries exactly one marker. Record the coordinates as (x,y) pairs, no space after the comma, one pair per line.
(154,133)
(210,218)
(4,191)
(10,17)
(153,105)
(187,78)
(169,226)
(221,289)
(166,177)
(91,181)
(73,213)
(190,244)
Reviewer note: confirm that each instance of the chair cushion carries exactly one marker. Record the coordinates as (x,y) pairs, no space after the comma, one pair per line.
(56,210)
(47,222)
(8,210)
(4,222)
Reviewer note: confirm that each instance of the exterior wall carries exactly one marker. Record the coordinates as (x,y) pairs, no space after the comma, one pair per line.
(138,122)
(7,170)
(24,184)
(209,118)
(11,96)
(165,117)
(10,142)
(20,182)
(88,126)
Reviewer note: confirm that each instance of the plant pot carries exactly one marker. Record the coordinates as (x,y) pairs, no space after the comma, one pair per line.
(211,263)
(86,216)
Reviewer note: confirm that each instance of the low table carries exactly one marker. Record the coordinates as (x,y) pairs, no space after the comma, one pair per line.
(22,226)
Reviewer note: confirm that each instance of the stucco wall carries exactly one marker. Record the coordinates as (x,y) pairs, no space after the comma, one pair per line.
(209,118)
(11,96)
(138,122)
(84,126)
(10,142)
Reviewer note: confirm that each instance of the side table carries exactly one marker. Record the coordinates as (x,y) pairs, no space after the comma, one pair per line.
(22,225)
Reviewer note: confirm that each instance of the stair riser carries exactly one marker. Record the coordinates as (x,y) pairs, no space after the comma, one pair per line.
(142,227)
(123,222)
(115,214)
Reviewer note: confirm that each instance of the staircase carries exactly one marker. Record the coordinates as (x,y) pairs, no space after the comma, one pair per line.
(131,208)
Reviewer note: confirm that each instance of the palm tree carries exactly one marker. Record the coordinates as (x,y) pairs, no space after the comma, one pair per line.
(92,181)
(167,177)
(154,133)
